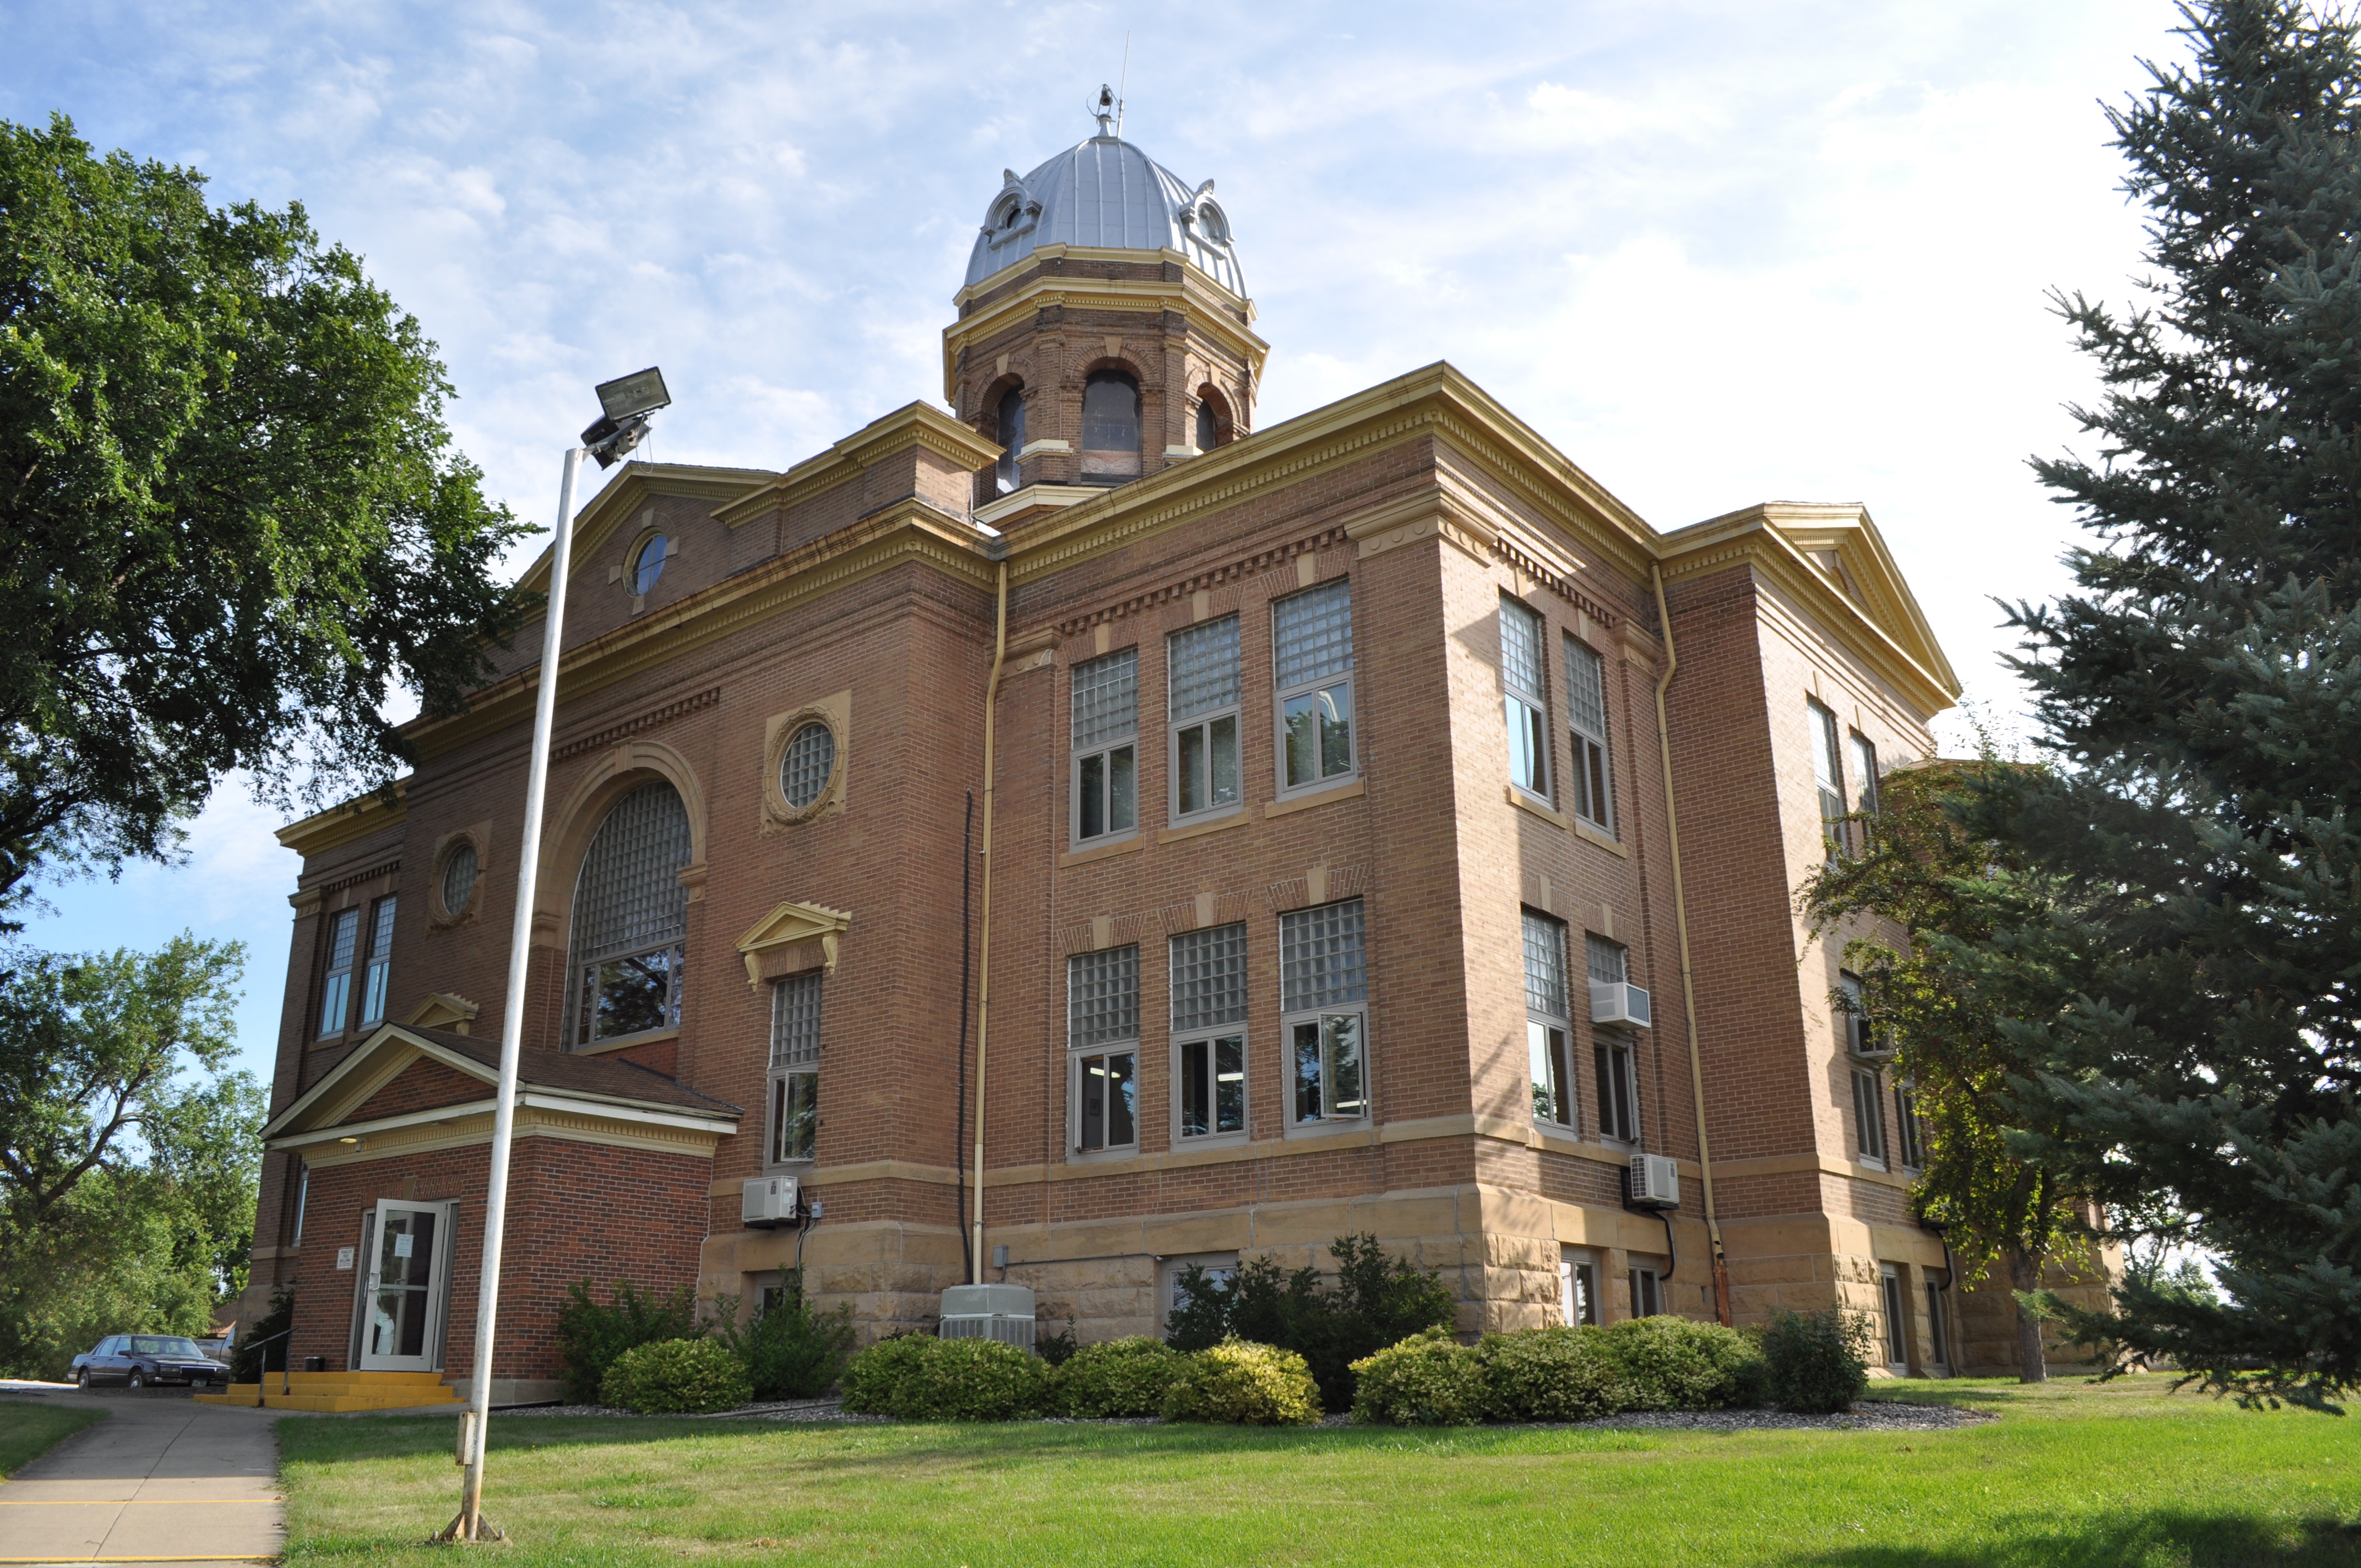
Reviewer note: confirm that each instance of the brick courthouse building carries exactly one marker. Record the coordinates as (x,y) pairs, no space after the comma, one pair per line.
(1331,830)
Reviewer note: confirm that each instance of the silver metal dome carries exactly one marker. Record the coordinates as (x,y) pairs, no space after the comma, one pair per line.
(1106,193)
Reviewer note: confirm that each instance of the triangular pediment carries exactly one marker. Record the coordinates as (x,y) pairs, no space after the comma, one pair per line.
(787,926)
(444,1010)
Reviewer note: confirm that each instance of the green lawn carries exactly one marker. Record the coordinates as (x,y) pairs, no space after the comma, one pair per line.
(2070,1475)
(28,1429)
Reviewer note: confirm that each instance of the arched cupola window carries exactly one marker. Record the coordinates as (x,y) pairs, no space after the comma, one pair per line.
(1209,433)
(1010,423)
(630,914)
(1110,428)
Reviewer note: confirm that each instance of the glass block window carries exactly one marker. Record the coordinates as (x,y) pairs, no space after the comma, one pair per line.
(1594,772)
(1520,648)
(1320,958)
(808,764)
(1106,700)
(1586,690)
(1102,996)
(1523,699)
(1545,966)
(1608,960)
(1312,634)
(629,914)
(795,1021)
(1209,977)
(1205,668)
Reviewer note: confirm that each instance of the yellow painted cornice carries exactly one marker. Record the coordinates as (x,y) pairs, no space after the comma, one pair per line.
(614,506)
(913,424)
(341,824)
(1882,624)
(1208,307)
(910,531)
(1206,283)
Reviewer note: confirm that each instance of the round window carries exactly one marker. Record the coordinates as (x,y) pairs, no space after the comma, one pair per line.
(648,565)
(458,878)
(810,761)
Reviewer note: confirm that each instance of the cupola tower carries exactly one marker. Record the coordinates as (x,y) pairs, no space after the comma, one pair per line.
(1103,331)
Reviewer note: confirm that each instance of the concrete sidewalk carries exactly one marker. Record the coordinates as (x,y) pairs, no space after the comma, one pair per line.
(161,1480)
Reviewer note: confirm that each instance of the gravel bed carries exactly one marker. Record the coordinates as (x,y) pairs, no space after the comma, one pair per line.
(1870,1415)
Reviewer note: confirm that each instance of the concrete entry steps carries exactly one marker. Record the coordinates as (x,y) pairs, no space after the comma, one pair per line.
(332,1393)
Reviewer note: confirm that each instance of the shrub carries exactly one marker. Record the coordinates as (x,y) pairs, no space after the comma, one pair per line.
(1429,1379)
(1673,1364)
(1816,1359)
(1242,1384)
(789,1350)
(917,1377)
(1058,1348)
(1119,1377)
(673,1375)
(1376,1301)
(589,1336)
(1552,1374)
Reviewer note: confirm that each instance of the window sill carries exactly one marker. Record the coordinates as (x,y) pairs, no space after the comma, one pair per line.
(1211,1141)
(1866,1163)
(1352,791)
(1589,835)
(1339,1128)
(1237,819)
(1101,851)
(1527,802)
(1101,1157)
(626,1042)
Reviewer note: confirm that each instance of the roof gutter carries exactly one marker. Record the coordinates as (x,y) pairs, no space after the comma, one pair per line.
(1688,983)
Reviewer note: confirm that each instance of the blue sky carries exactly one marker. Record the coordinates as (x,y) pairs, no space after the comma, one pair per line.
(1717,253)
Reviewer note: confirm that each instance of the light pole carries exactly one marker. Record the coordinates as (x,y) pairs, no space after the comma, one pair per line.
(627,404)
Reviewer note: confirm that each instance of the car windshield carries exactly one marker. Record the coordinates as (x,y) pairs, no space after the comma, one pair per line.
(157,1345)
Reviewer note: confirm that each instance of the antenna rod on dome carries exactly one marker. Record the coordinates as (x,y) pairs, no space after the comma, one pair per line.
(1122,81)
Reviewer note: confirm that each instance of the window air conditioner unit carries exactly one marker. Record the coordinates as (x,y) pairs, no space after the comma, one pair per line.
(768,1201)
(1875,1053)
(1618,1002)
(1655,1181)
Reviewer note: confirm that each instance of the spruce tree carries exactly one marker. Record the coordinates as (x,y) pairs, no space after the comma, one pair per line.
(2200,692)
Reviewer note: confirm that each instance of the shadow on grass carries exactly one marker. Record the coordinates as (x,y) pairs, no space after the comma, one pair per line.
(2122,1539)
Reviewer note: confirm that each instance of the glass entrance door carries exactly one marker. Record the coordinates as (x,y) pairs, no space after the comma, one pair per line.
(401,1331)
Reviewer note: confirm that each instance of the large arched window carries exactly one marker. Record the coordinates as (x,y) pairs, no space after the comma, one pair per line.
(1011,425)
(1110,428)
(630,915)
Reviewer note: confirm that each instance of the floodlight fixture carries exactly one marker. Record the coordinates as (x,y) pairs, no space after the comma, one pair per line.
(626,402)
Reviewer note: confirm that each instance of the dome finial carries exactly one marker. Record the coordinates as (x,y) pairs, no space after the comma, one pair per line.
(1108,109)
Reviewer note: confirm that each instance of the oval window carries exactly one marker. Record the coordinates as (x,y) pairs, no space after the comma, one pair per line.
(458,878)
(810,763)
(649,564)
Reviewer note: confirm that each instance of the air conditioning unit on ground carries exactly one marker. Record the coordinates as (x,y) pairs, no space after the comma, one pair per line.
(1618,1002)
(1004,1312)
(1655,1181)
(768,1201)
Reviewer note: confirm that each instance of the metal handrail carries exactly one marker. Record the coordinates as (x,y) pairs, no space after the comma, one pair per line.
(262,1372)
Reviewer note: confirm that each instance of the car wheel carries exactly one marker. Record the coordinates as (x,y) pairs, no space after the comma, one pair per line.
(135,1381)
(82,1379)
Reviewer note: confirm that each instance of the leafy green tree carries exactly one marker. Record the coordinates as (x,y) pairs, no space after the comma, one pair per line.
(232,512)
(1958,901)
(128,1148)
(2200,693)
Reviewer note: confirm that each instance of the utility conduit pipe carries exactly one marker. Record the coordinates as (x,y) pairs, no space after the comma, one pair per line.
(984,933)
(1688,984)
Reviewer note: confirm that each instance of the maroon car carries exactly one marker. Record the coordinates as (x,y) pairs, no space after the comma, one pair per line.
(149,1360)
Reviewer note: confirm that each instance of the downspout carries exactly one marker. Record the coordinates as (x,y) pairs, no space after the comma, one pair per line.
(1688,982)
(983,931)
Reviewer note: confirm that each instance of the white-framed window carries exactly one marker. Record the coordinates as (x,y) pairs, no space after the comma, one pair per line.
(302,1199)
(378,974)
(1865,772)
(1593,794)
(1611,1053)
(794,1099)
(1103,1049)
(1323,990)
(1853,1029)
(631,915)
(337,981)
(1203,697)
(1106,742)
(1312,664)
(1897,1340)
(1209,1033)
(1868,1116)
(1828,773)
(1524,697)
(1221,1271)
(1647,1291)
(1577,1287)
(1548,1023)
(1909,1131)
